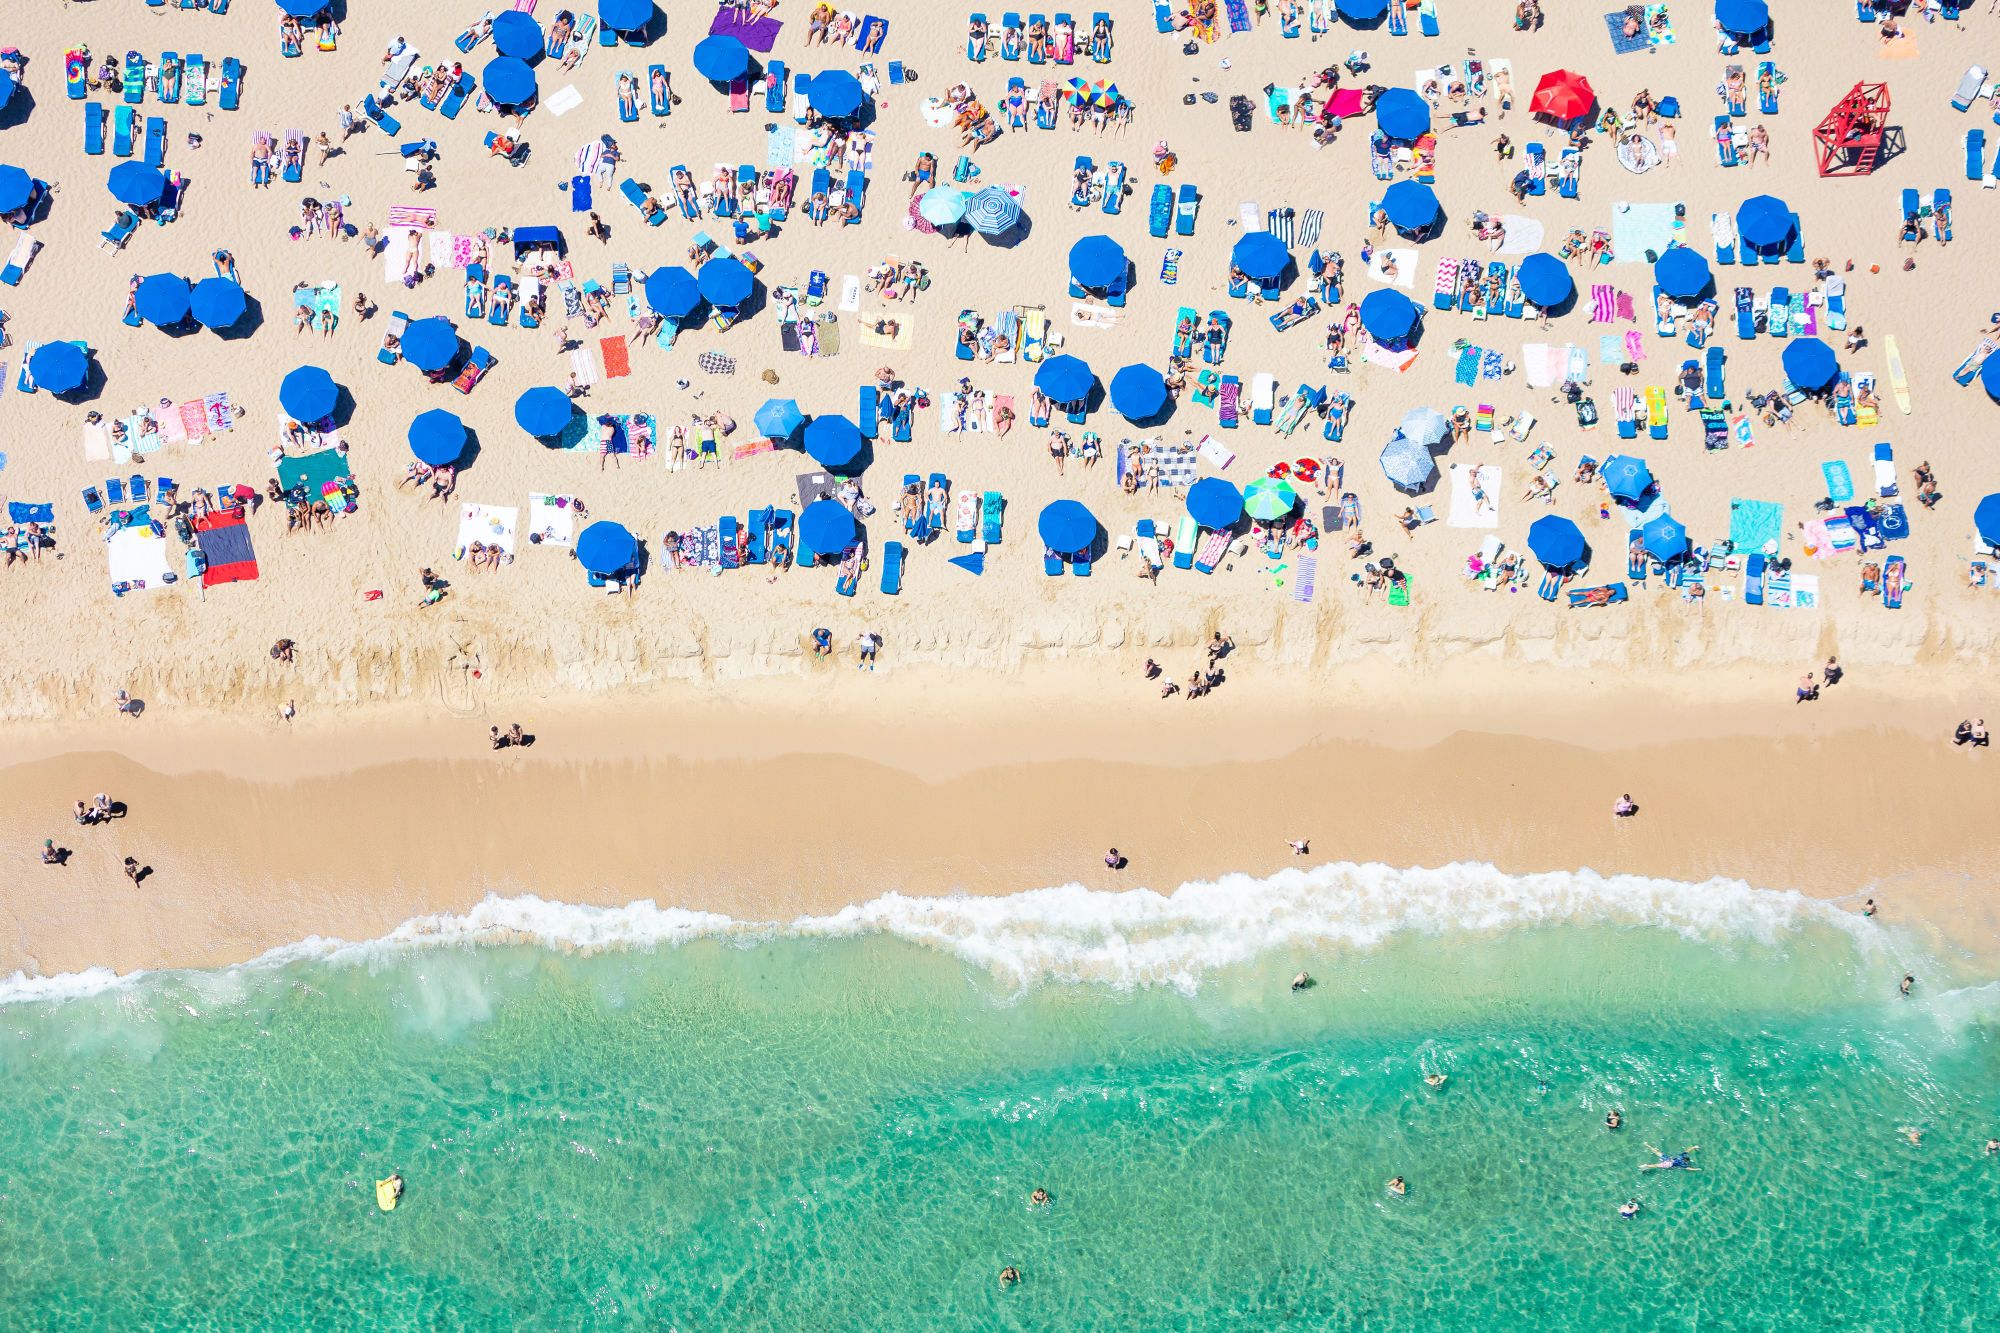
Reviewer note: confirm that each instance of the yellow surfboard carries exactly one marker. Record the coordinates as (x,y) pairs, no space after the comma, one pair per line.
(387,1195)
(1899,384)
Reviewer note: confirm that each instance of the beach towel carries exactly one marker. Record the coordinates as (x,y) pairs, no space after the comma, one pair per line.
(1239,15)
(1659,28)
(1805,592)
(1406,267)
(1309,225)
(758,34)
(1465,511)
(551,520)
(137,558)
(1635,345)
(1839,481)
(583,366)
(412,217)
(1492,366)
(1214,453)
(781,146)
(1603,302)
(1399,592)
(1304,578)
(1627,311)
(491,524)
(1466,370)
(1755,525)
(617,358)
(1522,236)
(850,293)
(224,538)
(19,512)
(1610,349)
(1637,228)
(1615,24)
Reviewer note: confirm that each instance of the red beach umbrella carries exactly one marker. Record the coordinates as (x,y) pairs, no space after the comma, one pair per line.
(1563,95)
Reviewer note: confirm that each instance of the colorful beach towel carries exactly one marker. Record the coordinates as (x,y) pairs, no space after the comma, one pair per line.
(1492,366)
(1304,578)
(1466,371)
(1615,24)
(414,217)
(758,34)
(1635,345)
(617,358)
(1603,302)
(1839,481)
(1755,525)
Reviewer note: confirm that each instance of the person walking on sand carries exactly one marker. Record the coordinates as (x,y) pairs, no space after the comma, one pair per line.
(50,855)
(132,872)
(289,711)
(1300,846)
(1808,691)
(1113,861)
(867,642)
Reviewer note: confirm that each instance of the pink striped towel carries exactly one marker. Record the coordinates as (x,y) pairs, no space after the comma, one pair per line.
(1603,305)
(412,215)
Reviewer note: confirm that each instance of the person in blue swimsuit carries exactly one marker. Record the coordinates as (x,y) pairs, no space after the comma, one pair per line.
(1680,1161)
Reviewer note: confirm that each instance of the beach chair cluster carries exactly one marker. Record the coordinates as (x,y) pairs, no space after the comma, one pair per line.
(1040,40)
(1171,212)
(1480,289)
(173,79)
(1784,313)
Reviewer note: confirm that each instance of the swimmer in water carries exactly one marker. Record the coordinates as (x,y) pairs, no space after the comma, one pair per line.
(1680,1161)
(1303,981)
(1909,980)
(1039,1198)
(1615,1119)
(1397,1186)
(1009,1276)
(1435,1080)
(1992,1147)
(1914,1135)
(1629,1209)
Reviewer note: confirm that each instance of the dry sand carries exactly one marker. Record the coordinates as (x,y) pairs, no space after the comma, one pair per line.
(1015,668)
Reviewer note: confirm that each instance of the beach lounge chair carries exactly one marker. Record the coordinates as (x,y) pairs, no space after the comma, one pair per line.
(1160,213)
(1052,564)
(1569,175)
(169,77)
(156,141)
(1767,87)
(1753,581)
(231,96)
(135,78)
(1714,387)
(454,100)
(1114,187)
(868,418)
(1656,412)
(398,322)
(1034,333)
(1227,403)
(385,122)
(1609,594)
(475,370)
(122,118)
(1975,154)
(76,75)
(196,80)
(93,128)
(1185,538)
(892,568)
(1215,346)
(1538,168)
(1080,564)
(295,156)
(1779,320)
(1885,472)
(967,318)
(475,291)
(16,267)
(1263,398)
(1722,230)
(121,231)
(1186,206)
(857,193)
(1746,313)
(501,310)
(1895,576)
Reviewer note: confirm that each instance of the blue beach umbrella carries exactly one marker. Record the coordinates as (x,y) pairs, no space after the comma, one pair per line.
(6,87)
(1407,464)
(943,206)
(1411,205)
(624,15)
(1665,538)
(136,183)
(835,94)
(1065,379)
(1811,364)
(606,547)
(544,412)
(779,419)
(1097,261)
(59,367)
(672,292)
(1626,478)
(1138,392)
(1555,541)
(1214,503)
(162,299)
(16,185)
(1989,377)
(430,344)
(307,394)
(509,82)
(437,437)
(1742,17)
(1387,314)
(301,9)
(834,442)
(1361,11)
(1400,113)
(826,526)
(1545,280)
(720,59)
(993,211)
(1764,221)
(218,302)
(1260,254)
(1681,273)
(517,35)
(1985,517)
(725,282)
(1066,527)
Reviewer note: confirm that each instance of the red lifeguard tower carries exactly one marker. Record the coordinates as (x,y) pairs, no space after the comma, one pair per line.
(1854,136)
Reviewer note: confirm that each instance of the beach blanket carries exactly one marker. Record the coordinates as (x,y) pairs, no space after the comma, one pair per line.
(412,217)
(904,325)
(1615,24)
(1310,222)
(136,557)
(1805,592)
(1610,349)
(1303,580)
(1493,365)
(757,34)
(1659,28)
(492,524)
(563,100)
(1466,370)
(1406,267)
(1635,345)
(20,512)
(1522,235)
(1637,228)
(1603,302)
(1755,525)
(617,357)
(396,243)
(1215,453)
(1467,512)
(1087,316)
(781,146)
(551,520)
(1839,481)
(850,294)
(224,538)
(1627,311)
(96,443)
(583,365)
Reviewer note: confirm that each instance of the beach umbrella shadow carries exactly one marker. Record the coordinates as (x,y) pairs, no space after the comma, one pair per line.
(18,107)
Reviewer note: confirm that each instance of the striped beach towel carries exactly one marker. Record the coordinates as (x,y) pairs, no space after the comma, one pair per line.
(1467,369)
(1309,225)
(1279,224)
(583,366)
(412,216)
(1603,303)
(1302,582)
(1624,401)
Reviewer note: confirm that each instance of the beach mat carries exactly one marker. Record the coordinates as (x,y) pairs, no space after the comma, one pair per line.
(1637,228)
(1614,24)
(1304,579)
(617,357)
(1464,512)
(1755,525)
(224,539)
(1839,481)
(551,520)
(758,34)
(492,524)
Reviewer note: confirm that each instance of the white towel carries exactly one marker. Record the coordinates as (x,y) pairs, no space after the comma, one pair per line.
(1523,235)
(850,293)
(563,100)
(552,519)
(491,524)
(1465,512)
(1406,267)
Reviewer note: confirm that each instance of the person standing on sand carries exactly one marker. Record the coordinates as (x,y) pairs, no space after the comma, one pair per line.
(867,642)
(132,872)
(1833,671)
(1113,861)
(1807,689)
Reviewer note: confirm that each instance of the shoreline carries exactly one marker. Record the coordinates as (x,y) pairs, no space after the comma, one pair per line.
(844,798)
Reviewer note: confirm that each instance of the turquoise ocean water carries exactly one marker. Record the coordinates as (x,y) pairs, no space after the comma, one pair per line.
(650,1119)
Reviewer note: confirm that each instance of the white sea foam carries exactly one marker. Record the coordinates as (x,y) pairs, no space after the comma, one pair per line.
(1136,937)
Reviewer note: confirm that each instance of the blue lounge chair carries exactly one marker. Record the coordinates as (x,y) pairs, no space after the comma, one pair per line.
(1185,208)
(757,536)
(454,101)
(892,568)
(869,416)
(1163,18)
(92,501)
(232,84)
(78,82)
(659,90)
(857,193)
(121,230)
(1538,168)
(1767,96)
(1725,142)
(1715,387)
(1160,214)
(501,311)
(1975,154)
(1036,57)
(122,118)
(975,44)
(1795,253)
(1052,564)
(1753,581)
(1114,187)
(774,88)
(93,128)
(385,122)
(135,78)
(196,80)
(475,291)
(156,141)
(170,84)
(1941,213)
(727,530)
(1079,565)
(1570,181)
(1062,20)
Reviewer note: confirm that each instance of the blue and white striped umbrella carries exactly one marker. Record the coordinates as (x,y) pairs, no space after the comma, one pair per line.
(992,211)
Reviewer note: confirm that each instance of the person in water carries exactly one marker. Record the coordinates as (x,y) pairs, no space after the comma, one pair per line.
(395,1185)
(1614,1119)
(1680,1161)
(1435,1080)
(1303,981)
(1040,1198)
(1398,1187)
(1009,1276)
(1629,1209)
(1909,980)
